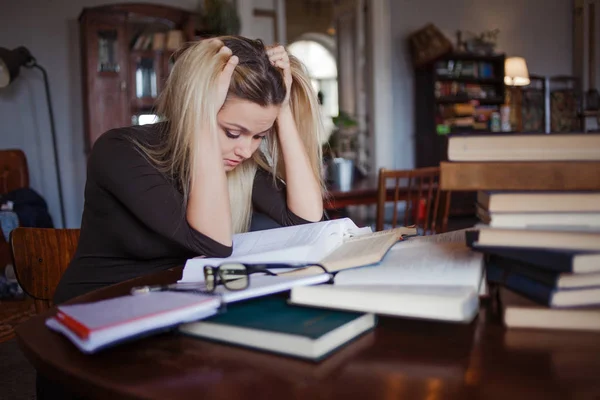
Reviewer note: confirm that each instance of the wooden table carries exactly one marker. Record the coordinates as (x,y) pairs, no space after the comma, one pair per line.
(401,359)
(362,192)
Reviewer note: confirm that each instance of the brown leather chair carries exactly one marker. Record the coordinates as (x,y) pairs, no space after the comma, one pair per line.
(427,206)
(40,257)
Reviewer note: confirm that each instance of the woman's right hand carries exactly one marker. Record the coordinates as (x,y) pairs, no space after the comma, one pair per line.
(225,76)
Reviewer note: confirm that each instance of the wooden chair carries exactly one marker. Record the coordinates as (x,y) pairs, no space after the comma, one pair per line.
(427,206)
(40,257)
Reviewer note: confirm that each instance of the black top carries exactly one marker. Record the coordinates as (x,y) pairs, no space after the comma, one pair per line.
(134,221)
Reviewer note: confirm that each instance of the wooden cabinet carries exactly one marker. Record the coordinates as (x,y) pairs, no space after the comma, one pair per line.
(124,64)
(460,93)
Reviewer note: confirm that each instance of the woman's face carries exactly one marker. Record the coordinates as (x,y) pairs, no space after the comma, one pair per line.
(242,126)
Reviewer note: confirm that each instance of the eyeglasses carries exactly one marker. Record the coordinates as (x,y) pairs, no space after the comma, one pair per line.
(236,276)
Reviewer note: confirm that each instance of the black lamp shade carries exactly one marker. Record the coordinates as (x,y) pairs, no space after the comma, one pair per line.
(10,63)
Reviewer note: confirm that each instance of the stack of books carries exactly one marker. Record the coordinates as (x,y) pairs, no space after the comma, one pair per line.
(538,200)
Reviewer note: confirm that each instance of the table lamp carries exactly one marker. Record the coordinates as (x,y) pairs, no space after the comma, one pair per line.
(515,74)
(11,62)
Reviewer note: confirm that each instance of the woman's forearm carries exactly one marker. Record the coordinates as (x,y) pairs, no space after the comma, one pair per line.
(208,209)
(303,190)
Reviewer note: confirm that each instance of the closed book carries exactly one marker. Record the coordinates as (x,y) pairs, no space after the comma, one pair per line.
(271,324)
(560,260)
(520,312)
(566,221)
(539,202)
(540,239)
(540,292)
(434,302)
(532,176)
(94,326)
(553,279)
(524,147)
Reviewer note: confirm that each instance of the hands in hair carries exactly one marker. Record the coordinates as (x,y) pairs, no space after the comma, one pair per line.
(279,58)
(225,76)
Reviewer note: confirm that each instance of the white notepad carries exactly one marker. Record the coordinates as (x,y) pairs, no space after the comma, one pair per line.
(92,326)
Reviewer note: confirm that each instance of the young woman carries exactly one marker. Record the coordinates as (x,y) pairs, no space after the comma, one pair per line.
(240,132)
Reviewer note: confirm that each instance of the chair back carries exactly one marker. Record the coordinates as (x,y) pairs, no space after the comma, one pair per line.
(40,257)
(426,206)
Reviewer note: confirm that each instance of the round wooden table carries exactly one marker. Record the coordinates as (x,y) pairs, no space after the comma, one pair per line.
(401,358)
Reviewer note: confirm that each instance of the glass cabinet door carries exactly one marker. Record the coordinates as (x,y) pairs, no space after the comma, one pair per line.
(145,77)
(108,51)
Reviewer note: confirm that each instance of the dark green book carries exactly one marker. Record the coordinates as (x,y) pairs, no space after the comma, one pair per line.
(271,324)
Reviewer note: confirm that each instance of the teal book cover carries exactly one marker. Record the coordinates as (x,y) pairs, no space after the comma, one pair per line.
(273,325)
(274,314)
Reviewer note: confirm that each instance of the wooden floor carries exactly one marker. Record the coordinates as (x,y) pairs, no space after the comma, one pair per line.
(12,313)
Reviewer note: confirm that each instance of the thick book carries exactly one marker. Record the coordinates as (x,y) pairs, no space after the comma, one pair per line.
(538,291)
(559,260)
(567,221)
(524,147)
(520,312)
(532,176)
(420,279)
(536,239)
(94,326)
(271,324)
(539,202)
(337,244)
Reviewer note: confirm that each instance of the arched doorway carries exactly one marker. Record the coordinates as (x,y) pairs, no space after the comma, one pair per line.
(317,53)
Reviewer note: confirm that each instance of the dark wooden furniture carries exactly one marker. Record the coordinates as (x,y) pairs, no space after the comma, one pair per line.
(455,95)
(362,192)
(458,88)
(124,66)
(565,104)
(531,100)
(426,206)
(40,257)
(14,174)
(402,358)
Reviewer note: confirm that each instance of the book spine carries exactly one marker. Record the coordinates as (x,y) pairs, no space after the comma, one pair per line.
(473,176)
(82,331)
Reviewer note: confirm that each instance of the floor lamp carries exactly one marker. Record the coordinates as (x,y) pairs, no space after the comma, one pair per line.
(11,62)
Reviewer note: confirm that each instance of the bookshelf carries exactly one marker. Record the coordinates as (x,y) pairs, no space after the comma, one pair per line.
(126,53)
(460,93)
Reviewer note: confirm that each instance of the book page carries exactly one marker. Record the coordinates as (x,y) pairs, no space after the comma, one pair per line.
(443,264)
(360,250)
(292,244)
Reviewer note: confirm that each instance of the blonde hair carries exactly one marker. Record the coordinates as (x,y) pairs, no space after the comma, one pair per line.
(186,103)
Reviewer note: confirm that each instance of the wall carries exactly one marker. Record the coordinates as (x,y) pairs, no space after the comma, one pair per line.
(49,29)
(539,30)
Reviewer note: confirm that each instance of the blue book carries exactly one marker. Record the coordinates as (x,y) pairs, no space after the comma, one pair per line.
(540,292)
(273,325)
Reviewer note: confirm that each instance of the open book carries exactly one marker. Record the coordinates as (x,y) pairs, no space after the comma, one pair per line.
(337,244)
(436,277)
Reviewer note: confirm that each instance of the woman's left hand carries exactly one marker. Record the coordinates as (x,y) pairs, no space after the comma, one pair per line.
(279,58)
